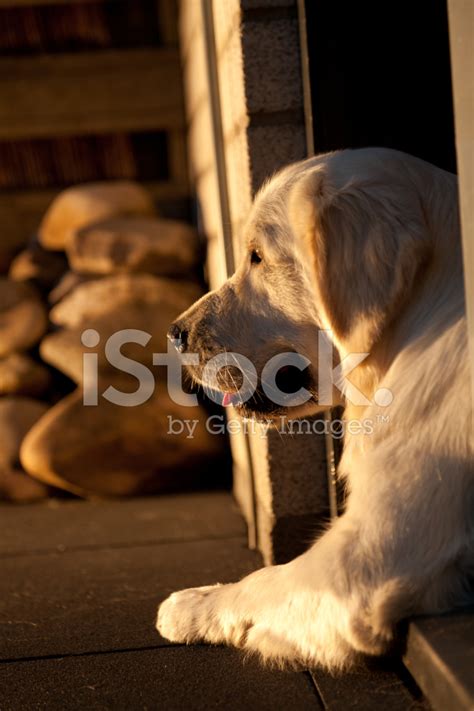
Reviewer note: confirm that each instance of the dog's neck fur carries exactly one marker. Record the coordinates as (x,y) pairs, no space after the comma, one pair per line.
(438,299)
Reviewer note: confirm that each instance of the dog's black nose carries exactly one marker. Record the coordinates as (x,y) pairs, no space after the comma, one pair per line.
(175,333)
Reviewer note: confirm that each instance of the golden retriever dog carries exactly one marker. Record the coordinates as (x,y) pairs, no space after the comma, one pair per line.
(364,246)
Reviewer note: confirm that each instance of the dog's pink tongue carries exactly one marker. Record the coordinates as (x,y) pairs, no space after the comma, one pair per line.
(226,399)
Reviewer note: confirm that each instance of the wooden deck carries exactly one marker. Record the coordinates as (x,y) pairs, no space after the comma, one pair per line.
(79,587)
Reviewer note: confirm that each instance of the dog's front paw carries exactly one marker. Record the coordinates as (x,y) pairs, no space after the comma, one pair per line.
(189,615)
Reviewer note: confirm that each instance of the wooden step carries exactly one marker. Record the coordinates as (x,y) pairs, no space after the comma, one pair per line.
(26,3)
(440,657)
(90,93)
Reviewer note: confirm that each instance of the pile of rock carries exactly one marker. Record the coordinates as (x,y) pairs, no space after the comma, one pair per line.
(105,261)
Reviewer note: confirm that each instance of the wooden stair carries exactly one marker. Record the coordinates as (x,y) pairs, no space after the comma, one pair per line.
(106,94)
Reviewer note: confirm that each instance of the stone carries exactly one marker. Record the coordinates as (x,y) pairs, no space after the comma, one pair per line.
(16,486)
(92,299)
(128,301)
(64,351)
(39,267)
(21,375)
(109,450)
(92,202)
(17,228)
(23,318)
(17,416)
(8,251)
(66,284)
(135,244)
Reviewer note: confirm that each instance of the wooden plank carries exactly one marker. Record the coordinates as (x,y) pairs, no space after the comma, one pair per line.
(167,11)
(372,685)
(461,31)
(72,524)
(26,3)
(177,156)
(93,92)
(83,600)
(34,201)
(440,657)
(194,678)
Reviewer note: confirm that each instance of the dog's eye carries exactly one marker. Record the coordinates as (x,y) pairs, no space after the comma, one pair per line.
(255,256)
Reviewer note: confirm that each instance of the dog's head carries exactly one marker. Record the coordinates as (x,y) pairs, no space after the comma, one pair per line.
(332,244)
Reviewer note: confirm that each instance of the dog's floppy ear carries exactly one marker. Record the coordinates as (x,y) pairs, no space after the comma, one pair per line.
(367,241)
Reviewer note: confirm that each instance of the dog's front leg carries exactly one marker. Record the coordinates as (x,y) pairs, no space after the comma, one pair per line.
(300,612)
(395,552)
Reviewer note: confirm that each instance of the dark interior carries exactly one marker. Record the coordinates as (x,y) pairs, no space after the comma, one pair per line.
(383,77)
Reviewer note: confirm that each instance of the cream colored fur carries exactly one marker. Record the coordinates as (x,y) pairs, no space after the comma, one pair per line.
(364,243)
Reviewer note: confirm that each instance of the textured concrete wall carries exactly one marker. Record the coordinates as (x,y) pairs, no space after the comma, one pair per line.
(279,480)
